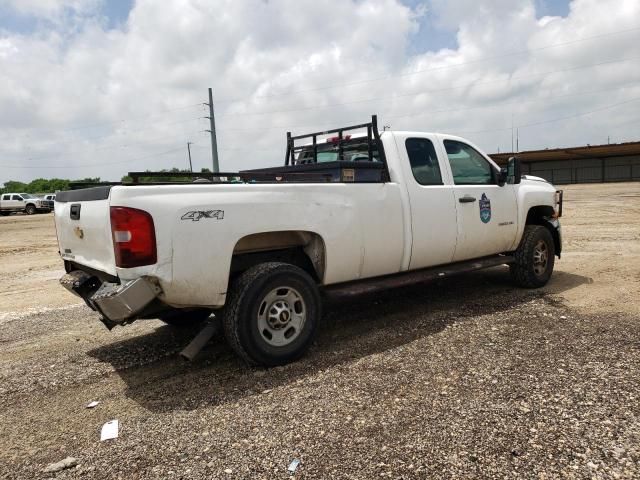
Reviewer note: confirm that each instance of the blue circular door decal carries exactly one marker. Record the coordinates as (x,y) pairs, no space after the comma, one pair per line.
(485,209)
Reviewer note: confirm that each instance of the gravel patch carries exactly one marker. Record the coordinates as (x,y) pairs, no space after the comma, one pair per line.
(395,387)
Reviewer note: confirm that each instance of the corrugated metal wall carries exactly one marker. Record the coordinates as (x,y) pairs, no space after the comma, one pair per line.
(586,170)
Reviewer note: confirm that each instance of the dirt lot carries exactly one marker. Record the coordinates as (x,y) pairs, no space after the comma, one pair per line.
(464,378)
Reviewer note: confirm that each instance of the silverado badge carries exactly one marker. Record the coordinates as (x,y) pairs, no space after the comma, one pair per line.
(485,209)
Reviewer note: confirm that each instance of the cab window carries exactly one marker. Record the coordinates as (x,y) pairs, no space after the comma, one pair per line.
(16,197)
(468,166)
(353,150)
(424,161)
(6,197)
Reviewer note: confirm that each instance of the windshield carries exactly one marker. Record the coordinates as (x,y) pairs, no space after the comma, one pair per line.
(26,195)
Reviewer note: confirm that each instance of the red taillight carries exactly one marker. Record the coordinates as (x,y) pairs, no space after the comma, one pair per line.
(134,237)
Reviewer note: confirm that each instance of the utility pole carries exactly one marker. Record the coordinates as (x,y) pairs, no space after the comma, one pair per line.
(512,132)
(189,150)
(212,131)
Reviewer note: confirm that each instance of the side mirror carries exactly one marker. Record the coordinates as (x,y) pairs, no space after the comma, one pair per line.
(514,170)
(502,177)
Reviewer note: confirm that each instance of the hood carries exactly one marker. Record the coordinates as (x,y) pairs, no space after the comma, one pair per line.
(534,178)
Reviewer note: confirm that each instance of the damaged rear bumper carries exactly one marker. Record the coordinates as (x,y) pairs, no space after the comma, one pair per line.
(118,303)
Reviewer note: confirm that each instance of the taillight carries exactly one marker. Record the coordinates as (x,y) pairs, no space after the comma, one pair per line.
(134,237)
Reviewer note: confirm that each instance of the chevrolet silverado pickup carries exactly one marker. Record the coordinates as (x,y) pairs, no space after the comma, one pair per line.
(347,214)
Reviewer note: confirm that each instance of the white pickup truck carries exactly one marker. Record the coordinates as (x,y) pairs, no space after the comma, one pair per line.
(23,202)
(347,214)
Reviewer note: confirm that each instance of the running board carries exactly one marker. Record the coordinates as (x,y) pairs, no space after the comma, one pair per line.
(403,279)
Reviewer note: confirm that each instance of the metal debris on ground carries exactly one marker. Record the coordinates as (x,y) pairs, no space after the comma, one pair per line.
(68,462)
(293,466)
(93,404)
(109,430)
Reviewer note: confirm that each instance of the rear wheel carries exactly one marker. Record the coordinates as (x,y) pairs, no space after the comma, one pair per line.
(30,210)
(534,258)
(271,314)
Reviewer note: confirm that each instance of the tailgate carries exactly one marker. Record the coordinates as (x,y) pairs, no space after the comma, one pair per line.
(83,226)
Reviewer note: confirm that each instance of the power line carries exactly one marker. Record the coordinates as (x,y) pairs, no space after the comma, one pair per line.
(128,160)
(346,84)
(115,122)
(552,120)
(432,69)
(125,133)
(524,125)
(432,112)
(422,92)
(104,147)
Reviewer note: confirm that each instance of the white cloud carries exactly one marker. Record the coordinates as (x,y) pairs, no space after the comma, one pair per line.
(74,93)
(49,8)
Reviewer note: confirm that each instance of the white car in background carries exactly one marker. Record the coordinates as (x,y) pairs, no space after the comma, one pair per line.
(23,202)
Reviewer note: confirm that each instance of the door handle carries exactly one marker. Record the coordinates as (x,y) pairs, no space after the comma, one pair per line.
(467,199)
(74,212)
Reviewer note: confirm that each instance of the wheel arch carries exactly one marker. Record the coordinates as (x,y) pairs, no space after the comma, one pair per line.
(543,215)
(302,248)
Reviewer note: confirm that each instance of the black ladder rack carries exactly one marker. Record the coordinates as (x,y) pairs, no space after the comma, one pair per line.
(229,177)
(372,139)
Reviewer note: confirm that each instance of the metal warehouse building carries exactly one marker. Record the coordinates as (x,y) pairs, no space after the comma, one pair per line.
(590,164)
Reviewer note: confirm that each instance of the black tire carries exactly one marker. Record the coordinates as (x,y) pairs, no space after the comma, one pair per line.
(530,269)
(253,298)
(30,210)
(185,318)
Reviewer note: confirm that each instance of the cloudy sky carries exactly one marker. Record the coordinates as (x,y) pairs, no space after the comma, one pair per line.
(101,87)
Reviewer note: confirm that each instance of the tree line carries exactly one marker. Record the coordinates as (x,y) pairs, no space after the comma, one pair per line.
(41,185)
(52,185)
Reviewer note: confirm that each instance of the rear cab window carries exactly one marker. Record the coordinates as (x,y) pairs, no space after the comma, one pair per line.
(423,161)
(468,166)
(353,150)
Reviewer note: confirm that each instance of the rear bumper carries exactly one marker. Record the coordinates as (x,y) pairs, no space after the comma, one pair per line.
(117,303)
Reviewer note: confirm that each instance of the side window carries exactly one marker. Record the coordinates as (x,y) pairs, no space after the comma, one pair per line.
(6,197)
(17,197)
(424,161)
(467,165)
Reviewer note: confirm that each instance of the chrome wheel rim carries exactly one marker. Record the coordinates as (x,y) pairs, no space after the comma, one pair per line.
(281,316)
(540,258)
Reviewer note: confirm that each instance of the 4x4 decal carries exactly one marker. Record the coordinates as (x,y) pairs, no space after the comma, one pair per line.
(196,215)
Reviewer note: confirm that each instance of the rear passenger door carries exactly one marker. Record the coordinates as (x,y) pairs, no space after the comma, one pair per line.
(431,200)
(487,212)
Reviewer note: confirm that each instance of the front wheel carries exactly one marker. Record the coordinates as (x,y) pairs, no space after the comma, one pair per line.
(534,258)
(30,210)
(271,314)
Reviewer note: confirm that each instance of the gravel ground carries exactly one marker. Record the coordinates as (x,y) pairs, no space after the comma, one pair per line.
(463,378)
